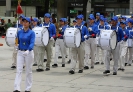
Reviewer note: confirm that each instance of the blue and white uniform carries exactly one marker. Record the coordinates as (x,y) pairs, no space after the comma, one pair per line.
(79,52)
(90,44)
(60,46)
(52,32)
(25,55)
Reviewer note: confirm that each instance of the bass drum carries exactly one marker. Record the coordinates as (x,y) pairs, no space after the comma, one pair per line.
(41,36)
(72,37)
(108,39)
(11,35)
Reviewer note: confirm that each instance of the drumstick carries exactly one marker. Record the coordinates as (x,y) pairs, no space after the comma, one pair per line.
(16,41)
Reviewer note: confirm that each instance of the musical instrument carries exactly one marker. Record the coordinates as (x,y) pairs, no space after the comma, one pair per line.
(72,37)
(11,35)
(108,39)
(41,36)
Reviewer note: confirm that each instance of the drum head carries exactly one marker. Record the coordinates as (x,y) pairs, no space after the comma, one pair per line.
(11,36)
(45,36)
(77,37)
(113,40)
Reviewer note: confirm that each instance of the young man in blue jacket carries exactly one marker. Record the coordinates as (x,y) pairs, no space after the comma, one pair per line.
(79,52)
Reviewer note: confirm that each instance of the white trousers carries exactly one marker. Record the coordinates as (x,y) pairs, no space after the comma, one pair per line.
(28,60)
(123,51)
(78,53)
(103,55)
(129,56)
(60,46)
(90,49)
(116,55)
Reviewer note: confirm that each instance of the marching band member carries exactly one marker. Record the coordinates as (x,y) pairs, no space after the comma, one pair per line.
(52,33)
(90,44)
(35,21)
(26,39)
(80,51)
(123,46)
(100,27)
(130,50)
(97,21)
(116,51)
(74,24)
(20,26)
(60,45)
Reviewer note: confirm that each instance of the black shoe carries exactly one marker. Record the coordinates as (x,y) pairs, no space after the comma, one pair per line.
(80,71)
(106,72)
(119,68)
(34,64)
(45,60)
(96,63)
(13,67)
(60,57)
(90,58)
(16,91)
(69,61)
(47,69)
(114,73)
(66,56)
(123,69)
(39,70)
(92,67)
(125,64)
(55,65)
(129,65)
(110,59)
(63,65)
(27,91)
(23,67)
(102,63)
(86,67)
(71,72)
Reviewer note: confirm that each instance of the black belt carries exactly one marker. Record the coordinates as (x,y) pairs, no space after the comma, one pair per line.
(92,37)
(22,49)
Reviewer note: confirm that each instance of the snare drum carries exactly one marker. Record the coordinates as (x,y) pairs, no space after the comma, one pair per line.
(41,36)
(108,39)
(129,43)
(11,35)
(72,37)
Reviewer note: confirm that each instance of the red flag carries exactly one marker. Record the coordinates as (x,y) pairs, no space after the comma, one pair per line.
(19,9)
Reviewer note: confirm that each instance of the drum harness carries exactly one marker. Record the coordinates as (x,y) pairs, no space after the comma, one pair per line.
(80,30)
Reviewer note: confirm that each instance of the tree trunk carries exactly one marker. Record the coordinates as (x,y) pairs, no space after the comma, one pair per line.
(61,8)
(84,8)
(46,7)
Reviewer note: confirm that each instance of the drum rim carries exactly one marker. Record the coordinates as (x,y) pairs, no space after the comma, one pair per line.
(48,37)
(116,40)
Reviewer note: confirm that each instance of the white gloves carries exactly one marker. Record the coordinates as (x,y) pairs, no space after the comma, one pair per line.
(90,29)
(85,36)
(51,38)
(26,52)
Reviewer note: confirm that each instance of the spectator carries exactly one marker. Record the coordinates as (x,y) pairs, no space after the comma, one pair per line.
(9,24)
(2,27)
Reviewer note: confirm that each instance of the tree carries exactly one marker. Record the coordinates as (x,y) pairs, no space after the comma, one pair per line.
(84,8)
(61,8)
